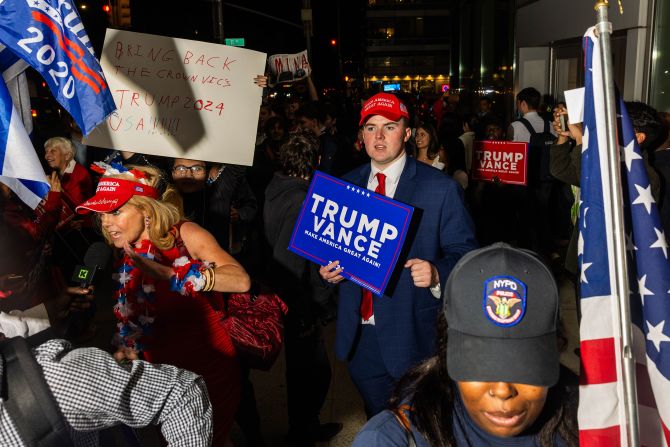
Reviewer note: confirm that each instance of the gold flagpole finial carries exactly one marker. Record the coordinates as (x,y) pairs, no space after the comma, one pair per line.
(606,4)
(601,3)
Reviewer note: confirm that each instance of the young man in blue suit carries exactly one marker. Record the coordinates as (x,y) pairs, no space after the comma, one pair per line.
(382,337)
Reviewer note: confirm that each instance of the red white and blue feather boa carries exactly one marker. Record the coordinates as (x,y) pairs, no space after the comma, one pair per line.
(135,295)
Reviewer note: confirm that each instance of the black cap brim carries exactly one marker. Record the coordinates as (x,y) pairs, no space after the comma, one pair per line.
(532,361)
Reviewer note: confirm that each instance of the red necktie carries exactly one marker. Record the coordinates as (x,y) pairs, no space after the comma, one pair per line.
(366,298)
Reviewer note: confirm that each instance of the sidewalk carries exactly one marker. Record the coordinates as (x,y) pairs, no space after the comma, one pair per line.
(342,404)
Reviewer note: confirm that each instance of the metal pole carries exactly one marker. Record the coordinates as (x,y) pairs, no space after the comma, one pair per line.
(307,25)
(217,17)
(339,39)
(612,158)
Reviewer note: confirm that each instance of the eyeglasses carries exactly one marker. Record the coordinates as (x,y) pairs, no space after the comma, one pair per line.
(195,170)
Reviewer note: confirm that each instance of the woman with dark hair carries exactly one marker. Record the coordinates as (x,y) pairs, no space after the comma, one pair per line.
(496,379)
(427,147)
(297,281)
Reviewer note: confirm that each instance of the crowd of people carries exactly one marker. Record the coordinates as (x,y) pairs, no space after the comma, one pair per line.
(433,364)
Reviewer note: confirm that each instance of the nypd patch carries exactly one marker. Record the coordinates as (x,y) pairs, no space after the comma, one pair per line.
(504,300)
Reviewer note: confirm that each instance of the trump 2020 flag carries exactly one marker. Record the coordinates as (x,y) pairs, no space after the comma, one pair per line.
(20,168)
(50,36)
(602,420)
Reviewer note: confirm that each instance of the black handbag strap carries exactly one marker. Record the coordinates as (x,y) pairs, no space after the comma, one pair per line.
(28,399)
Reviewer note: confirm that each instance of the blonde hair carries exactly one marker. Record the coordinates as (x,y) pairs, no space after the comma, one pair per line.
(65,145)
(163,214)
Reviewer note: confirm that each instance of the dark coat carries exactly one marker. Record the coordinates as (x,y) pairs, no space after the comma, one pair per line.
(293,277)
(210,207)
(405,321)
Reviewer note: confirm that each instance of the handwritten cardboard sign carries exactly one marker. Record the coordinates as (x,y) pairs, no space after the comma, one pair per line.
(365,231)
(500,161)
(180,98)
(289,67)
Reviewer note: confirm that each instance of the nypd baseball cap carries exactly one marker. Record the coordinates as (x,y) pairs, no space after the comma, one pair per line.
(501,306)
(386,105)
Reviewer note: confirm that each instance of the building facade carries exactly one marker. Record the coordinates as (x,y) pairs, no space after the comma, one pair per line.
(408,45)
(549,52)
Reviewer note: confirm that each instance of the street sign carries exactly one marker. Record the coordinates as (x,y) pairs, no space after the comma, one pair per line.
(235,42)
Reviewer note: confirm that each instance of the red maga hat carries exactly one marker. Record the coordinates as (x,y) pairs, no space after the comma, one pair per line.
(386,105)
(112,193)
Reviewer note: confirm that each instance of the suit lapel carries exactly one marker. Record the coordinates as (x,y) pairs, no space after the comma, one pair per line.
(407,183)
(360,176)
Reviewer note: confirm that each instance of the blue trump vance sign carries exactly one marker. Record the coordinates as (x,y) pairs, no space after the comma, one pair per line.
(365,231)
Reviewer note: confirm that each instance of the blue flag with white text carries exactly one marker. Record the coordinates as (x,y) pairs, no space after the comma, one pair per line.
(50,36)
(20,169)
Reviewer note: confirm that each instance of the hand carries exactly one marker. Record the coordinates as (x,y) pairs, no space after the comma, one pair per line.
(423,273)
(331,272)
(80,299)
(261,81)
(558,112)
(54,182)
(127,354)
(574,130)
(234,215)
(151,268)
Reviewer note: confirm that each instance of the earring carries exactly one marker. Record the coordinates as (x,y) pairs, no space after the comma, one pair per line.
(147,221)
(491,392)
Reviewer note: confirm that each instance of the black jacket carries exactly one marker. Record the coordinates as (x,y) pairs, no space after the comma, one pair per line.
(210,207)
(292,276)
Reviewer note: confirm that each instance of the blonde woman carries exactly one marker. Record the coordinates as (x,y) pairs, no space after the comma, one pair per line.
(168,272)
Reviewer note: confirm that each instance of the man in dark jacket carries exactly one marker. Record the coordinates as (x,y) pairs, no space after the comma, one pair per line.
(217,197)
(295,280)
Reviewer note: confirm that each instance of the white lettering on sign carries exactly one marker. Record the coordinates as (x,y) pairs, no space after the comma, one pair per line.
(368,238)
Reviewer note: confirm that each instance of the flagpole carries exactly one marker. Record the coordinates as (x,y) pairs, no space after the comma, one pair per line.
(612,159)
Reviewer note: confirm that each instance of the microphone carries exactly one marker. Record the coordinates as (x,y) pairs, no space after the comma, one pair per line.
(96,258)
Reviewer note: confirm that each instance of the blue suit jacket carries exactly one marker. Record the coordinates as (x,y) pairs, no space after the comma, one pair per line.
(405,321)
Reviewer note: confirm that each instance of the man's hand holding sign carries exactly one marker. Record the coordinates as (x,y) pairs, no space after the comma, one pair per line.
(382,336)
(424,273)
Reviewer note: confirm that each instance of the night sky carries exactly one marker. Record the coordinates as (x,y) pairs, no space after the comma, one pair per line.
(263,33)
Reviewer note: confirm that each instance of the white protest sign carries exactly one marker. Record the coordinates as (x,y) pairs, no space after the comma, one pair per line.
(289,67)
(180,98)
(574,101)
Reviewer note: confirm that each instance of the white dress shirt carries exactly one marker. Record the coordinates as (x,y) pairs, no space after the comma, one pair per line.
(392,173)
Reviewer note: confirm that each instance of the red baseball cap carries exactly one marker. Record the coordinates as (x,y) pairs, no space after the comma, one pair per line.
(386,105)
(113,193)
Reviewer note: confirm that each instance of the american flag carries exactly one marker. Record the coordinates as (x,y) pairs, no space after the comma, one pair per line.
(601,414)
